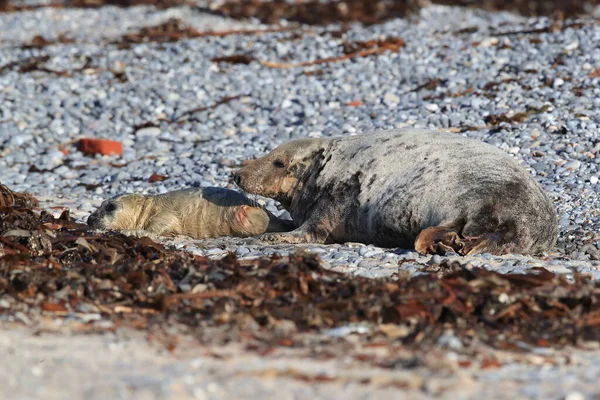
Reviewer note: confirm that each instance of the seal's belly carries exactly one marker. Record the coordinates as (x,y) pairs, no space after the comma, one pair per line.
(392,215)
(386,225)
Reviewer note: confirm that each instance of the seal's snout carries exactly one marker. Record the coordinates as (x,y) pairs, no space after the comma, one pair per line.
(242,178)
(93,221)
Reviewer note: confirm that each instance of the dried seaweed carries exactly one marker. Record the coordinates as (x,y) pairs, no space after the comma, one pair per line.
(25,65)
(14,6)
(171,30)
(38,63)
(567,8)
(391,43)
(174,30)
(368,12)
(8,198)
(161,4)
(234,59)
(56,267)
(38,42)
(315,12)
(157,178)
(351,50)
(516,117)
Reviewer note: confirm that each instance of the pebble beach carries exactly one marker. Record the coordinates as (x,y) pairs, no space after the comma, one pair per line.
(189,111)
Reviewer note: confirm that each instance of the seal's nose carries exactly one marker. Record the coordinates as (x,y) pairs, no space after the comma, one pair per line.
(92,220)
(237,178)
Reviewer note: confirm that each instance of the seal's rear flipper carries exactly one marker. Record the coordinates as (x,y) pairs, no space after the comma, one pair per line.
(445,238)
(437,240)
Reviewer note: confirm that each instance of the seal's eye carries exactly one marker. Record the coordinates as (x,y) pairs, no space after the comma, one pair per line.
(110,207)
(278,164)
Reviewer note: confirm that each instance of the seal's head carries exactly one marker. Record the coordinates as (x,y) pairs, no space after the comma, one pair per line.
(281,172)
(119,213)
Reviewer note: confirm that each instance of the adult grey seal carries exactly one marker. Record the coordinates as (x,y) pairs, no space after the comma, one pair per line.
(195,212)
(433,190)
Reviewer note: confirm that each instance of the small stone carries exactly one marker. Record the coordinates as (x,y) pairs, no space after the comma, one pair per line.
(85,206)
(558,82)
(367,265)
(575,396)
(363,250)
(240,251)
(435,260)
(572,46)
(593,180)
(492,41)
(54,159)
(215,251)
(87,308)
(370,253)
(185,287)
(432,107)
(348,128)
(20,316)
(391,99)
(450,341)
(539,166)
(477,102)
(118,67)
(200,287)
(572,165)
(150,131)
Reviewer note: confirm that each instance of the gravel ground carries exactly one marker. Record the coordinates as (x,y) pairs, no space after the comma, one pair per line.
(534,94)
(55,365)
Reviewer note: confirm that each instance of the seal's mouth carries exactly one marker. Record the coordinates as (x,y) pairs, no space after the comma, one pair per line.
(241,180)
(237,178)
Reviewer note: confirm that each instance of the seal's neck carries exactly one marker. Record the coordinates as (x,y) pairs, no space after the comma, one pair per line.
(147,210)
(302,197)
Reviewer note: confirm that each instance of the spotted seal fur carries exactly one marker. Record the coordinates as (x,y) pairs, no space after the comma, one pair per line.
(431,190)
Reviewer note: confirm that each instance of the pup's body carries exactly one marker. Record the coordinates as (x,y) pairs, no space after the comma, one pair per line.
(197,213)
(432,190)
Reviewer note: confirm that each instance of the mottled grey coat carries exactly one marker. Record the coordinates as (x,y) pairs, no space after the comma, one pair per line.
(387,188)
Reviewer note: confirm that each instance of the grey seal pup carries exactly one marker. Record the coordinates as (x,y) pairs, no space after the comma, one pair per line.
(195,212)
(431,190)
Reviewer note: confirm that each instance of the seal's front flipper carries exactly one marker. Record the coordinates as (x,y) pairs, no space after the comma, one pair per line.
(138,233)
(294,237)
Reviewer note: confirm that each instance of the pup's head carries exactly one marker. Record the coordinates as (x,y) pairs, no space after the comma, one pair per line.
(282,171)
(119,213)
